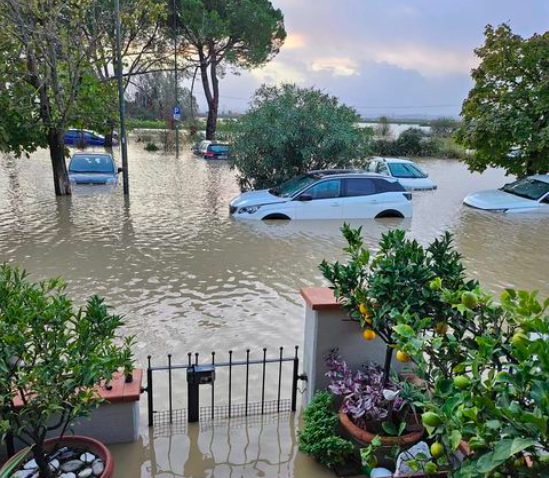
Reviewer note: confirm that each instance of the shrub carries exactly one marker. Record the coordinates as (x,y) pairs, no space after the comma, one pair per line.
(289,131)
(151,147)
(488,381)
(52,357)
(318,436)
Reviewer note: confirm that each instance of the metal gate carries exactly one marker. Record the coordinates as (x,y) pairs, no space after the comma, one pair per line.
(252,386)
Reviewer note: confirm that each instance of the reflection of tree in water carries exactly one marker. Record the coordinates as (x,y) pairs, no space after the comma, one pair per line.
(236,461)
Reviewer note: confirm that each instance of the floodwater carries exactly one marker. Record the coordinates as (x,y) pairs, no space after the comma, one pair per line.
(188,278)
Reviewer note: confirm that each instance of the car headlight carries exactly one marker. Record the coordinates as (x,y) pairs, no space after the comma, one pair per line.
(249,209)
(111,181)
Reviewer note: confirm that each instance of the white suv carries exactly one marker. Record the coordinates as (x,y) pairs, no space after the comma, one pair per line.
(408,173)
(330,194)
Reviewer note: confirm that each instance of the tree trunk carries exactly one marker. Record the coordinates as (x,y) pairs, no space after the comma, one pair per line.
(211,94)
(211,122)
(41,461)
(57,154)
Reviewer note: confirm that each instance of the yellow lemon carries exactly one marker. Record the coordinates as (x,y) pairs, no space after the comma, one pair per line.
(369,334)
(402,356)
(437,449)
(363,309)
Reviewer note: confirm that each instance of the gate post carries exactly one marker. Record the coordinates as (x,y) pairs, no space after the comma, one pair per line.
(295,378)
(150,391)
(193,396)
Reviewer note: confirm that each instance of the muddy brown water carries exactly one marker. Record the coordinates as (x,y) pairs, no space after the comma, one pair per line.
(188,278)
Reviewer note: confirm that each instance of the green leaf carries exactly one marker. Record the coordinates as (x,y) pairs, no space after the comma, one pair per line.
(503,450)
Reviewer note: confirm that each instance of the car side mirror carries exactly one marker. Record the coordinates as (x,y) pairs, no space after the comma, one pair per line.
(120,170)
(305,197)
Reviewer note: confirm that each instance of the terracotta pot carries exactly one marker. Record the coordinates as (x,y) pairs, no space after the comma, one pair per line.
(88,444)
(366,437)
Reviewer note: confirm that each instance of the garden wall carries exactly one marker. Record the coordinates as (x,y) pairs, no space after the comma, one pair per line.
(327,326)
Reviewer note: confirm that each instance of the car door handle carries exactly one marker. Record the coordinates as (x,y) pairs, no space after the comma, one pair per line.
(336,204)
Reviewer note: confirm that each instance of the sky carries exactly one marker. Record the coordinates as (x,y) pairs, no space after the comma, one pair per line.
(384,57)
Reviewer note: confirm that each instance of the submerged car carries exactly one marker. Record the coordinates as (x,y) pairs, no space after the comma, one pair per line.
(84,137)
(328,194)
(200,148)
(93,168)
(217,151)
(527,195)
(408,173)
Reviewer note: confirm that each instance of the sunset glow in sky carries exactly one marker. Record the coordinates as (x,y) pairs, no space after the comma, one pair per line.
(396,57)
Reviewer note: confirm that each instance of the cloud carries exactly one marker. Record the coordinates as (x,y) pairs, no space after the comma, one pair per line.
(429,61)
(336,66)
(294,41)
(279,71)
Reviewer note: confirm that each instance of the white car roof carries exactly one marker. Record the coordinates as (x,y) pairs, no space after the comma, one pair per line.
(544,178)
(392,160)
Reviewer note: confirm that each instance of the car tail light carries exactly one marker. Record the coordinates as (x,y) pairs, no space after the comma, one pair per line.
(408,196)
(209,154)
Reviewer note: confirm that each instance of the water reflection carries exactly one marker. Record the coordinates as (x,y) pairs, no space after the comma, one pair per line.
(246,447)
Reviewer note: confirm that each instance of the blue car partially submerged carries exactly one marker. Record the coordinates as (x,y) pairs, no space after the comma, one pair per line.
(85,137)
(93,168)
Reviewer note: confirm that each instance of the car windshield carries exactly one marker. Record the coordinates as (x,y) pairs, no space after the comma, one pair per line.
(405,170)
(294,185)
(91,164)
(528,188)
(219,148)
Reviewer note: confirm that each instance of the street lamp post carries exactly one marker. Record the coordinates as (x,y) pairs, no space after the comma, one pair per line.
(176,78)
(121,102)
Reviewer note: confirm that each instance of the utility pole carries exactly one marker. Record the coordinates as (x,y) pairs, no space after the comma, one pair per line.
(176,120)
(121,102)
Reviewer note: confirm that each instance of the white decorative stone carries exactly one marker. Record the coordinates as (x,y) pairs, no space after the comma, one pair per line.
(87,457)
(85,473)
(68,475)
(23,474)
(98,467)
(54,465)
(381,473)
(402,467)
(72,465)
(30,465)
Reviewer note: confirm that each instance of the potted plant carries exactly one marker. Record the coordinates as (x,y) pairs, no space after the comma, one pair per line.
(372,407)
(492,391)
(53,358)
(388,290)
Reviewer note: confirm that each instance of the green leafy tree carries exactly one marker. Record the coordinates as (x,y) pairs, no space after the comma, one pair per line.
(221,34)
(290,130)
(52,358)
(505,120)
(46,78)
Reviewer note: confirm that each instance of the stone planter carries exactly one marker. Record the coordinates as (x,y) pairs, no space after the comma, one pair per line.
(366,437)
(88,444)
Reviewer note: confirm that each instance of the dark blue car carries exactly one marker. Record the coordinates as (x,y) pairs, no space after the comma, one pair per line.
(84,137)
(93,168)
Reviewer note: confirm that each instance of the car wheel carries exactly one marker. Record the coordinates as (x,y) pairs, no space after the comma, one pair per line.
(389,213)
(276,216)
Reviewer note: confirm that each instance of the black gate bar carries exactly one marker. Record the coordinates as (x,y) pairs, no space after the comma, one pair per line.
(230,364)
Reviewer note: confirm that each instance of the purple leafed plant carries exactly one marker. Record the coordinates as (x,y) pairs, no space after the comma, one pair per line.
(365,398)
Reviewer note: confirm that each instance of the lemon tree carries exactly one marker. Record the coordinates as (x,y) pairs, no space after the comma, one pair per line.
(394,287)
(492,390)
